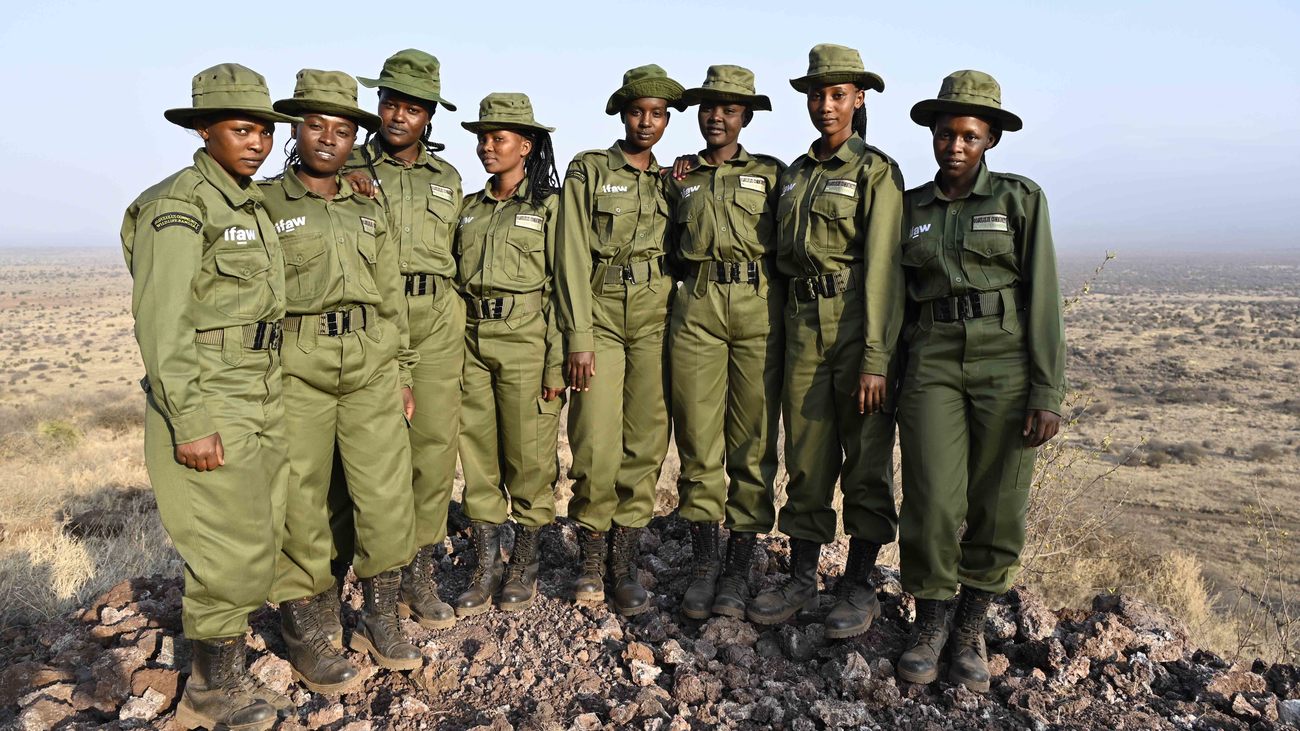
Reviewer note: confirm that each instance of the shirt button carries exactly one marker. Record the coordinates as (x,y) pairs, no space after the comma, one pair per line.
(988,252)
(407,229)
(953,212)
(340,239)
(958,279)
(724,228)
(618,210)
(403,265)
(408,197)
(246,271)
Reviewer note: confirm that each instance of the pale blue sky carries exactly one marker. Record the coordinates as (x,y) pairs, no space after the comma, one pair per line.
(1151,125)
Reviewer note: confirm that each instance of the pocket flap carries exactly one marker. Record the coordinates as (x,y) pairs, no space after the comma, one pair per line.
(242,264)
(366,245)
(917,252)
(615,205)
(833,205)
(751,202)
(442,209)
(302,248)
(524,239)
(989,243)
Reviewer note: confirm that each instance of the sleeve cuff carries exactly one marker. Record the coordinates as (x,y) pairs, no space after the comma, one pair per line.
(553,378)
(192,426)
(581,342)
(1044,398)
(875,363)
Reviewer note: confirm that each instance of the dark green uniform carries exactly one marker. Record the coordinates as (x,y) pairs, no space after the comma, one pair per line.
(726,341)
(208,295)
(345,336)
(986,345)
(613,297)
(506,253)
(838,223)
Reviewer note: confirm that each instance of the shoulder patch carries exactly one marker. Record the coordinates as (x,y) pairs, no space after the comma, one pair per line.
(164,220)
(576,172)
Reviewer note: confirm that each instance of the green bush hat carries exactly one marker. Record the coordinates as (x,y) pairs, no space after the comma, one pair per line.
(967,93)
(228,87)
(505,110)
(413,73)
(829,64)
(646,81)
(327,92)
(728,84)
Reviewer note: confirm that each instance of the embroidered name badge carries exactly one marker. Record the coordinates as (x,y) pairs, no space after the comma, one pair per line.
(164,220)
(753,182)
(368,225)
(439,191)
(529,221)
(918,230)
(990,222)
(842,187)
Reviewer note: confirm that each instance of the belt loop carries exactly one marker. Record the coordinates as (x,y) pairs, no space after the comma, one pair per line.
(232,345)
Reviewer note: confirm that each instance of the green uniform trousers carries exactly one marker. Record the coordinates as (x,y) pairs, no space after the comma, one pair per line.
(618,431)
(341,396)
(961,415)
(226,524)
(507,432)
(727,354)
(826,437)
(437,324)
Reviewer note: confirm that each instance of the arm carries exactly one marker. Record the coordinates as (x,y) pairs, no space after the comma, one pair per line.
(1046,334)
(883,279)
(553,376)
(573,274)
(392,303)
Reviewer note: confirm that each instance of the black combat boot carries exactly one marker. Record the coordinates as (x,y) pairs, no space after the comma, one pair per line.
(920,663)
(220,691)
(798,592)
(733,587)
(697,602)
(378,630)
(317,663)
(968,661)
(630,598)
(519,586)
(419,599)
(330,604)
(589,584)
(856,605)
(488,567)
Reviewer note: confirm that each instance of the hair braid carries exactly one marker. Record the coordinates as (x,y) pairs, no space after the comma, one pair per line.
(539,167)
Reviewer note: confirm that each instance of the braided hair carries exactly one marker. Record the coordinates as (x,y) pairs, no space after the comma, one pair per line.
(860,119)
(539,166)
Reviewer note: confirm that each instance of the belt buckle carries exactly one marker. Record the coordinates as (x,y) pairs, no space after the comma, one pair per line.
(751,272)
(733,272)
(331,322)
(943,309)
(491,308)
(628,274)
(976,305)
(276,335)
(806,289)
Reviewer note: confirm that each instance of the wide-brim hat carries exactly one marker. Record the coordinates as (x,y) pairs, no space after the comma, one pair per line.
(327,92)
(505,110)
(829,64)
(729,84)
(225,88)
(646,81)
(413,73)
(967,93)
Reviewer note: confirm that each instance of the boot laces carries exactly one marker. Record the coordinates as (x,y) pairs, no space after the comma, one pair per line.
(307,620)
(482,562)
(419,576)
(624,554)
(593,552)
(929,620)
(522,555)
(974,616)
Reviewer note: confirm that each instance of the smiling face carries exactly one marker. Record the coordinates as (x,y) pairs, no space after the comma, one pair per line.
(404,118)
(644,122)
(502,150)
(831,107)
(324,143)
(960,144)
(721,122)
(238,144)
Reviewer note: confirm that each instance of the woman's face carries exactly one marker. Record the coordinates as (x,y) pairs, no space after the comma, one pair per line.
(502,150)
(644,122)
(404,118)
(324,142)
(831,107)
(721,122)
(960,143)
(238,144)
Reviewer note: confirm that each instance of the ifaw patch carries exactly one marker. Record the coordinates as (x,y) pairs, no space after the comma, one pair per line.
(842,187)
(529,221)
(989,222)
(439,191)
(368,225)
(164,220)
(753,182)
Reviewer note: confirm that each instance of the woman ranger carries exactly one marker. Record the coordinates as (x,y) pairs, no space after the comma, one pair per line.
(725,337)
(613,298)
(344,337)
(984,379)
(838,220)
(510,404)
(208,298)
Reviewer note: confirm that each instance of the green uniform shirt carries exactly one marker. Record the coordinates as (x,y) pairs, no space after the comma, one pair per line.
(996,237)
(611,213)
(203,255)
(422,201)
(508,248)
(338,253)
(843,211)
(727,212)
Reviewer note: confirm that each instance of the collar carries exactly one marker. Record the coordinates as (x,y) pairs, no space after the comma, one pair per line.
(235,193)
(423,159)
(852,149)
(983,187)
(520,194)
(741,157)
(294,188)
(618,159)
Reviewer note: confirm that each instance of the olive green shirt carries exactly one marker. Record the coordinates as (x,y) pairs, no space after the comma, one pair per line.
(610,213)
(726,212)
(422,201)
(843,211)
(507,248)
(996,237)
(338,253)
(203,255)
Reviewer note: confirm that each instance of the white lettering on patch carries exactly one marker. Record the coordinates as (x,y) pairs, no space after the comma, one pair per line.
(439,191)
(788,187)
(989,222)
(614,189)
(753,182)
(529,221)
(240,235)
(842,187)
(286,225)
(464,220)
(918,230)
(686,192)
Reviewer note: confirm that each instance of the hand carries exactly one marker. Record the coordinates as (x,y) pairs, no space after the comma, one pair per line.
(683,165)
(871,393)
(362,183)
(579,369)
(203,455)
(1040,427)
(408,403)
(549,394)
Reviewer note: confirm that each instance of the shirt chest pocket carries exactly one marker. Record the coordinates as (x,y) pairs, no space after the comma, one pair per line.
(242,290)
(746,214)
(615,219)
(368,272)
(305,271)
(526,255)
(439,225)
(833,223)
(989,258)
(923,267)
